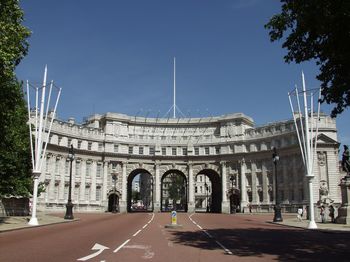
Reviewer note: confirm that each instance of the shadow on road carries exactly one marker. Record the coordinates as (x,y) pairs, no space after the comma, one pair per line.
(286,244)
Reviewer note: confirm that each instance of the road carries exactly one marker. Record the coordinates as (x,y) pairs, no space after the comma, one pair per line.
(143,237)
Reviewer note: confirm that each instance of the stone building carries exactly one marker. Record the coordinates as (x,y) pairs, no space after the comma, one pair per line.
(230,152)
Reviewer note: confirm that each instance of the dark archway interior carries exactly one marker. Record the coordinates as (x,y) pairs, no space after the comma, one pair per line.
(140,200)
(216,193)
(174,191)
(113,199)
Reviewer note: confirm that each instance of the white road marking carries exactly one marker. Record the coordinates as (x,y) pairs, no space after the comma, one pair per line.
(148,253)
(134,235)
(145,226)
(210,236)
(98,247)
(118,248)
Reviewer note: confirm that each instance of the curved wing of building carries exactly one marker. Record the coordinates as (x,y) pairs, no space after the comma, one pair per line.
(230,152)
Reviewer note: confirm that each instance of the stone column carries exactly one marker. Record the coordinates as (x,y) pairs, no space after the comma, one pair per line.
(191,204)
(157,188)
(83,180)
(62,179)
(105,184)
(123,202)
(264,184)
(93,182)
(225,206)
(254,189)
(244,201)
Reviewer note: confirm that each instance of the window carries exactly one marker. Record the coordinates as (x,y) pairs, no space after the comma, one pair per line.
(89,145)
(79,144)
(173,138)
(87,193)
(98,170)
(69,141)
(66,192)
(88,169)
(98,193)
(173,151)
(76,192)
(66,167)
(116,148)
(206,150)
(77,169)
(196,190)
(217,150)
(100,147)
(57,166)
(141,150)
(151,150)
(196,151)
(184,151)
(59,140)
(163,151)
(131,150)
(163,137)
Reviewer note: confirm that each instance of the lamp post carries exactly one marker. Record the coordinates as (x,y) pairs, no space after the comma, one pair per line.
(233,181)
(207,200)
(114,206)
(69,206)
(278,215)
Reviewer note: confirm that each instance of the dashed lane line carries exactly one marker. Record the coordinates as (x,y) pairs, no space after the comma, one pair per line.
(134,235)
(210,236)
(118,248)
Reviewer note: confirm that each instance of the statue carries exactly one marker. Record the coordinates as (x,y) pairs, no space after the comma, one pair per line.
(345,162)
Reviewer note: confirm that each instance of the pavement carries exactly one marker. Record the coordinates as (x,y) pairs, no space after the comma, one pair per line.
(21,222)
(44,219)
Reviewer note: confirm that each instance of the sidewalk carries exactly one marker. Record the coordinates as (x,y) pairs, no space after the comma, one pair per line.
(328,226)
(20,222)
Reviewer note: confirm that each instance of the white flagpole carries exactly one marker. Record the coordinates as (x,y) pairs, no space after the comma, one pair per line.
(40,146)
(312,223)
(174,105)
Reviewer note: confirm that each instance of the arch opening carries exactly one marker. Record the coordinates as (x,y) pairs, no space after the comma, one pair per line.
(113,202)
(140,191)
(174,195)
(209,199)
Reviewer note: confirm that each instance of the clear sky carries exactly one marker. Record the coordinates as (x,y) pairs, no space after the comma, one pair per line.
(117,56)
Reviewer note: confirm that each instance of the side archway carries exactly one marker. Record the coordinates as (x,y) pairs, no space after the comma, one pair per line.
(213,193)
(140,191)
(113,201)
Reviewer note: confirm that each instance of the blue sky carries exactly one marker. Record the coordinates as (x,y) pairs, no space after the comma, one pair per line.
(117,56)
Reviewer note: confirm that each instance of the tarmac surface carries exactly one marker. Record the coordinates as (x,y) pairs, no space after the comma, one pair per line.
(45,219)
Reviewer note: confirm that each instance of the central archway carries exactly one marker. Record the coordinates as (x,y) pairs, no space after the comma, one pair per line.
(174,191)
(140,191)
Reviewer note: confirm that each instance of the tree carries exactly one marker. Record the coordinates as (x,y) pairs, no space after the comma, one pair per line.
(15,160)
(318,30)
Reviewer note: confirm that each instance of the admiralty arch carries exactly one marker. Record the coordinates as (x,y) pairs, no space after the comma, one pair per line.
(230,152)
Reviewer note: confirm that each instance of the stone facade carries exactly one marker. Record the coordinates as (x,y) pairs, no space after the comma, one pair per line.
(234,154)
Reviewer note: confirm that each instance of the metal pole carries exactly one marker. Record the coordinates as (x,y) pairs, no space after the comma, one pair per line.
(278,215)
(69,206)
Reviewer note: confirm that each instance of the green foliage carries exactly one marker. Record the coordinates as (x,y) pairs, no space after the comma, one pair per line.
(15,160)
(176,190)
(318,30)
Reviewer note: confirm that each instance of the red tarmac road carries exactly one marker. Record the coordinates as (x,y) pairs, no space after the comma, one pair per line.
(143,237)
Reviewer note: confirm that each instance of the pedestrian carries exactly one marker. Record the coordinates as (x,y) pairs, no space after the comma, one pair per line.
(300,214)
(331,213)
(323,218)
(250,208)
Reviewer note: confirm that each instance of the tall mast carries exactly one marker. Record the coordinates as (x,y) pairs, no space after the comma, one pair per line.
(174,105)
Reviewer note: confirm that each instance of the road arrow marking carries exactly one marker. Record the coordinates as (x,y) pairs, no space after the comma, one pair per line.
(97,247)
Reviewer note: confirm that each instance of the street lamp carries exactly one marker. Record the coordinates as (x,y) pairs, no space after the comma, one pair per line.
(233,207)
(114,206)
(278,215)
(207,188)
(69,206)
